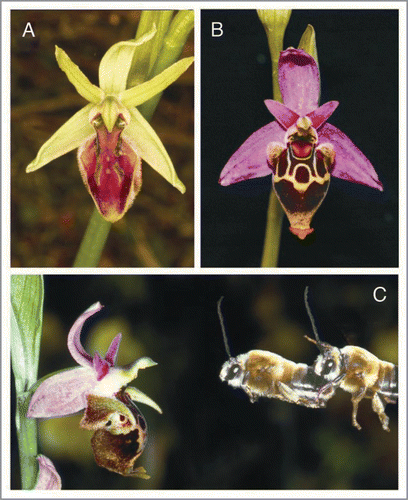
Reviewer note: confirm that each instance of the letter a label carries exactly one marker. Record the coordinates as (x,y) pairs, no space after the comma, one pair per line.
(29,29)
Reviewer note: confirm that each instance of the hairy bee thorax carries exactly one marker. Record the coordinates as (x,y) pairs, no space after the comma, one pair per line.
(301,174)
(266,374)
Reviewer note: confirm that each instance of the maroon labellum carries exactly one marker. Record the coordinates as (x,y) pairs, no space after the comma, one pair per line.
(120,433)
(111,169)
(301,174)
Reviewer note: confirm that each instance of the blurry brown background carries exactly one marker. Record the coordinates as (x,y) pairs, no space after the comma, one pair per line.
(210,436)
(51,207)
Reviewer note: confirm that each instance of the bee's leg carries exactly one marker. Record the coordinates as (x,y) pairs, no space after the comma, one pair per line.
(355,399)
(289,394)
(379,408)
(292,396)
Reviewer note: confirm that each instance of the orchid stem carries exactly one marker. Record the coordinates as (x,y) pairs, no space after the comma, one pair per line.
(27,444)
(275,23)
(93,242)
(272,233)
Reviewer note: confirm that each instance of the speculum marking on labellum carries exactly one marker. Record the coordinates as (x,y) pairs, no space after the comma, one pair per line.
(300,149)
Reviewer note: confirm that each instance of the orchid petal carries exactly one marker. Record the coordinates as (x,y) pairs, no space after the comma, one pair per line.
(68,137)
(48,477)
(74,341)
(285,116)
(148,145)
(140,397)
(145,91)
(116,63)
(112,352)
(250,160)
(101,366)
(320,115)
(299,81)
(62,394)
(350,163)
(139,364)
(83,86)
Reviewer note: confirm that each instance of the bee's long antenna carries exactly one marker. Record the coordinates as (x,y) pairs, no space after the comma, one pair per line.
(309,313)
(224,334)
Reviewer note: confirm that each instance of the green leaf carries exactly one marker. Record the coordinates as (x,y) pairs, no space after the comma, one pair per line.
(143,92)
(148,145)
(68,137)
(83,86)
(27,295)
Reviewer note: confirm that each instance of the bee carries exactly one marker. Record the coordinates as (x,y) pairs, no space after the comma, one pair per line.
(266,374)
(357,371)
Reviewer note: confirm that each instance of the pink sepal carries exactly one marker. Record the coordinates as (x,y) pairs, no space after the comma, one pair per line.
(74,337)
(48,477)
(250,161)
(299,81)
(350,163)
(62,394)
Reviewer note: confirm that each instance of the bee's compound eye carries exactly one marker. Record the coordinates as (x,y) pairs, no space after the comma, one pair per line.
(234,372)
(328,367)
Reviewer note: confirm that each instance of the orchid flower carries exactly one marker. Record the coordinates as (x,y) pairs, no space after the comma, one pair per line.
(99,387)
(48,477)
(299,149)
(110,133)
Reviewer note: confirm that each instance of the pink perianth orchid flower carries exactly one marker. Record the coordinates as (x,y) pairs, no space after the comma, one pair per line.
(300,149)
(48,477)
(99,387)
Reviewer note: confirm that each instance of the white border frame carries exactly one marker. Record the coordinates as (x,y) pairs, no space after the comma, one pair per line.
(7,270)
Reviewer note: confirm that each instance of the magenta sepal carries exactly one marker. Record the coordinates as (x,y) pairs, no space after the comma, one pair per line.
(48,477)
(62,394)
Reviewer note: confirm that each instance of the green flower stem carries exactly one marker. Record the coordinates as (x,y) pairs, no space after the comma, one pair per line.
(27,444)
(275,23)
(93,242)
(147,65)
(273,231)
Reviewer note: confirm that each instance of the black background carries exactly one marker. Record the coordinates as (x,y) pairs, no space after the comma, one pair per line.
(356,226)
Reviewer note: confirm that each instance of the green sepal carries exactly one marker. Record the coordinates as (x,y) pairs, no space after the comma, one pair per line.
(68,137)
(83,86)
(145,91)
(27,296)
(148,145)
(116,63)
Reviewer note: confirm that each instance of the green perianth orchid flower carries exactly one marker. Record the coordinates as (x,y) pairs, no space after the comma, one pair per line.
(111,134)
